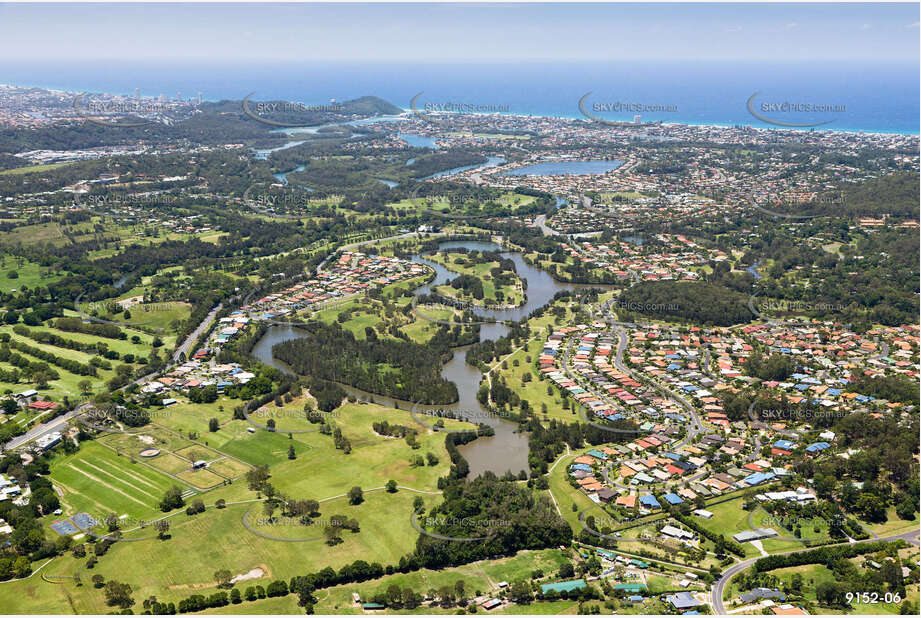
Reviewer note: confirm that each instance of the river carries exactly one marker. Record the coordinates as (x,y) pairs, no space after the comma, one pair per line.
(507,450)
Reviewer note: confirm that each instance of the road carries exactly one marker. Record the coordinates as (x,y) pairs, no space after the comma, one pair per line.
(56,424)
(193,337)
(718,587)
(541,222)
(355,245)
(59,422)
(695,427)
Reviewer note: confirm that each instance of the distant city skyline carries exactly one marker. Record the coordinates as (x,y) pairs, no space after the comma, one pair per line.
(460,32)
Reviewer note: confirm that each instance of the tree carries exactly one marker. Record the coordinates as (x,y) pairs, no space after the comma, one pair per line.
(85,386)
(10,406)
(256,477)
(871,507)
(394,595)
(459,590)
(796,583)
(172,499)
(98,581)
(410,599)
(42,377)
(162,528)
(118,594)
(356,496)
(520,592)
(213,425)
(223,577)
(827,593)
(332,534)
(291,454)
(391,486)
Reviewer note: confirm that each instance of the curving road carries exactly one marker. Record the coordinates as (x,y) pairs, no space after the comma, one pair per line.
(719,585)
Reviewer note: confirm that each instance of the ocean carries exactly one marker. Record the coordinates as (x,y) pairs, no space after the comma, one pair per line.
(846,96)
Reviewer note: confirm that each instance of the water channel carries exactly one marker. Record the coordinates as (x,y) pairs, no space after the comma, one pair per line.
(507,450)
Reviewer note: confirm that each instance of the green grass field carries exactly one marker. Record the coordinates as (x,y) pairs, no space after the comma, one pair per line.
(98,481)
(69,383)
(153,315)
(566,496)
(511,294)
(199,545)
(30,169)
(478,577)
(28,274)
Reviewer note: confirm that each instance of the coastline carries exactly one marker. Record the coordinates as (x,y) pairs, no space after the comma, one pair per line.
(720,124)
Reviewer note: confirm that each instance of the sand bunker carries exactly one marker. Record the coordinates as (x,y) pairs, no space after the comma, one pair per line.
(252,574)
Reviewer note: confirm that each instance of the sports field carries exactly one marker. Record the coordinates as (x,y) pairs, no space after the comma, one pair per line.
(98,481)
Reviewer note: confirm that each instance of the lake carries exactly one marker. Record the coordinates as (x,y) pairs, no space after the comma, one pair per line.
(490,162)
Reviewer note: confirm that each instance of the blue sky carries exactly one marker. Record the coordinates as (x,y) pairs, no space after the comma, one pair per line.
(461,32)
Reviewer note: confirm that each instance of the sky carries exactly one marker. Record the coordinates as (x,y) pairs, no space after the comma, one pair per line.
(460,32)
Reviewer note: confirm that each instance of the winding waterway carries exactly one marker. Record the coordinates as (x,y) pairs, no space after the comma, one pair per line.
(507,450)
